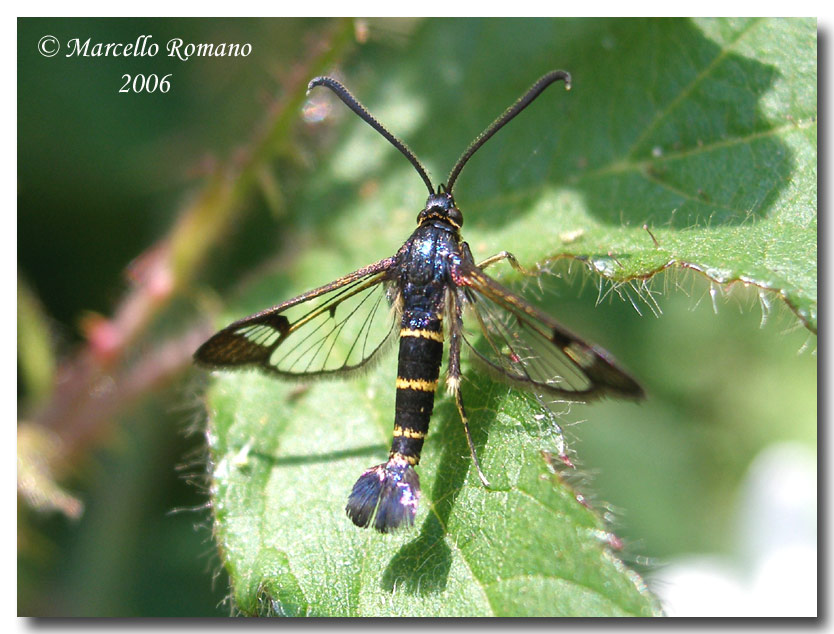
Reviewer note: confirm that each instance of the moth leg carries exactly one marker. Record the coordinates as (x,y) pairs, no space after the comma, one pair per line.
(504,255)
(453,379)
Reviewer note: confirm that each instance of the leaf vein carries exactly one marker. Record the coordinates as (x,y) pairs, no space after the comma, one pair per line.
(477,580)
(688,89)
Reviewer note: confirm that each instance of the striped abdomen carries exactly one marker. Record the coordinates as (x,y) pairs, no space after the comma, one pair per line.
(387,494)
(421,351)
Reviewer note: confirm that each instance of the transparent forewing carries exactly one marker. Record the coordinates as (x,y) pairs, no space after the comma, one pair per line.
(340,334)
(332,330)
(520,343)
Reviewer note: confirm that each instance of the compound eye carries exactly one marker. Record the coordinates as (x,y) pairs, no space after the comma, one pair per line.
(455,216)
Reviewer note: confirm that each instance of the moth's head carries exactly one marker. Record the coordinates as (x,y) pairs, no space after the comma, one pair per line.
(441,206)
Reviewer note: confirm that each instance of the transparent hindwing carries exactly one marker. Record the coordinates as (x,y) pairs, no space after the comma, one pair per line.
(524,345)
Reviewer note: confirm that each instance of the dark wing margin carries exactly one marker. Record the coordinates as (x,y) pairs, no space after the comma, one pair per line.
(526,346)
(332,330)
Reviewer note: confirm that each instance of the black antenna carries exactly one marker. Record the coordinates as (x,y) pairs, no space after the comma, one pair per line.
(525,100)
(351,102)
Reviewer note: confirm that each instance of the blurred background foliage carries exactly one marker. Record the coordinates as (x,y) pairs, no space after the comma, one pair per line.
(105,177)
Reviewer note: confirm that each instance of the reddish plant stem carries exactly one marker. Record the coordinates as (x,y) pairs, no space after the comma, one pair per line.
(100,381)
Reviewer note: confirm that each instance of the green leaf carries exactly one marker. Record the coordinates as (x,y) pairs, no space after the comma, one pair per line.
(707,135)
(704,131)
(283,470)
